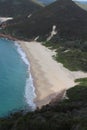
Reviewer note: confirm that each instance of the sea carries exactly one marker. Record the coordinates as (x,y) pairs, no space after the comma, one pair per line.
(16,84)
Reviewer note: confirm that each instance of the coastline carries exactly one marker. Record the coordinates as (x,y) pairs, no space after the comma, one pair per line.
(8,37)
(29,80)
(50,78)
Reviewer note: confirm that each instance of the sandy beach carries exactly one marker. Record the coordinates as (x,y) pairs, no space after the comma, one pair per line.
(51,79)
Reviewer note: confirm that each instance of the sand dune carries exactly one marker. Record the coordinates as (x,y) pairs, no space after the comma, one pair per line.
(50,77)
(4,19)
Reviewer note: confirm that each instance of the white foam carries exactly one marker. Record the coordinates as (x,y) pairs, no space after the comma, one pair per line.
(29,88)
(22,54)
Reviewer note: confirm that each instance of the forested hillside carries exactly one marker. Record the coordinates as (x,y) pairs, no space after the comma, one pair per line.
(70,21)
(14,8)
(70,41)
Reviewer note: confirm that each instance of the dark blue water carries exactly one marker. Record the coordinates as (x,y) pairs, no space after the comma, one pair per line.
(13,75)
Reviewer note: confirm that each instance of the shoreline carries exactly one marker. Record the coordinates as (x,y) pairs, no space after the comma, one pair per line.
(49,84)
(29,79)
(51,96)
(50,78)
(9,37)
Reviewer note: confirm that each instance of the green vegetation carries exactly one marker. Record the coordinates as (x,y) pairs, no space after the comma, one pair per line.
(73,54)
(70,21)
(70,44)
(78,93)
(83,82)
(16,8)
(69,114)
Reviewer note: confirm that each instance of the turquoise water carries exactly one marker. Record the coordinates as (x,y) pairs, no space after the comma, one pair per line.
(14,79)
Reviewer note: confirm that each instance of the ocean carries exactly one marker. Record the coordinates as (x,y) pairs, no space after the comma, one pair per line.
(16,83)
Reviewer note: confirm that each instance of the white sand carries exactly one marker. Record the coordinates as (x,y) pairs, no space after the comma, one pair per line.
(3,19)
(54,32)
(50,77)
